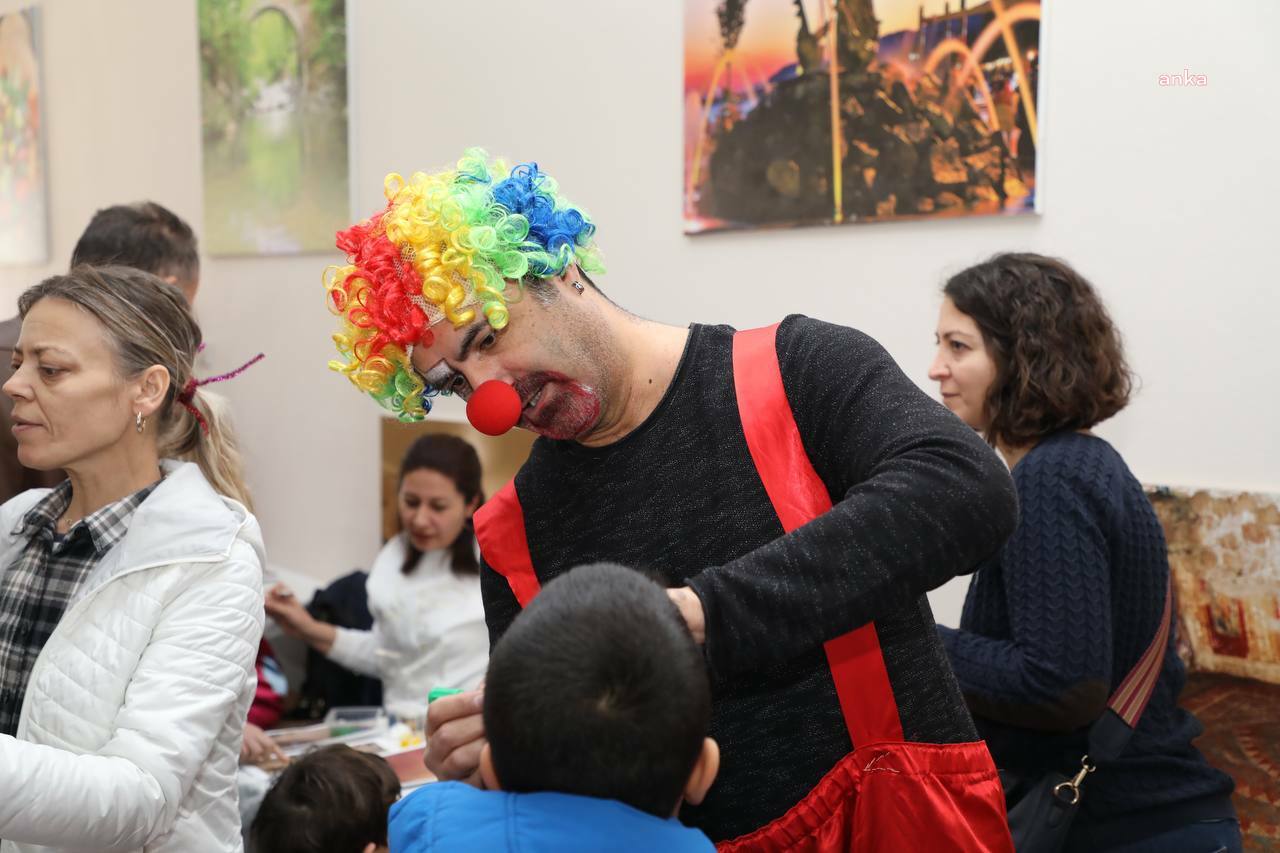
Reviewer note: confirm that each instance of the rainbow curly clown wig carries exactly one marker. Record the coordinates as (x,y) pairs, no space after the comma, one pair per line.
(448,245)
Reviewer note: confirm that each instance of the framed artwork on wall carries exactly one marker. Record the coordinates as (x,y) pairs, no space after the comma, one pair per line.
(24,197)
(273,96)
(805,112)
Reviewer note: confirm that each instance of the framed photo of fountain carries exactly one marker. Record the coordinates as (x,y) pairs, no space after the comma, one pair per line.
(801,112)
(273,98)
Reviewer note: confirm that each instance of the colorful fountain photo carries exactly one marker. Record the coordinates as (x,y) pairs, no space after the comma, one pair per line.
(801,112)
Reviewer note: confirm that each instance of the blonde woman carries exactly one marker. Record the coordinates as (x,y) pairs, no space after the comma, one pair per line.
(131,594)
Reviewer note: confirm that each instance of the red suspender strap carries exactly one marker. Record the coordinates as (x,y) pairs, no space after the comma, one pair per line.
(503,544)
(798,496)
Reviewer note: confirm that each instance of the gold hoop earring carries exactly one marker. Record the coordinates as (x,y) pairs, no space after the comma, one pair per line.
(140,421)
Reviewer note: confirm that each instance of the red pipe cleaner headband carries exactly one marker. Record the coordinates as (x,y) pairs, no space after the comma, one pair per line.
(188,392)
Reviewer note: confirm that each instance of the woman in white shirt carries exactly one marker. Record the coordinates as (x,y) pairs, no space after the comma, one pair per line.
(424,588)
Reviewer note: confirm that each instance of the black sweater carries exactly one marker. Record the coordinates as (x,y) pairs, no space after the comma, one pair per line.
(919,499)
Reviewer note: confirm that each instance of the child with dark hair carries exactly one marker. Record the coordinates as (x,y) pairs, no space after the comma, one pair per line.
(596,708)
(332,800)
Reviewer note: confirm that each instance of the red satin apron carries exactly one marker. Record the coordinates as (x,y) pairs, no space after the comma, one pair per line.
(888,794)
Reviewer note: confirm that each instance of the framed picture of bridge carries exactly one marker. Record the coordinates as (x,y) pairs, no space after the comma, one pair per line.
(273,96)
(805,112)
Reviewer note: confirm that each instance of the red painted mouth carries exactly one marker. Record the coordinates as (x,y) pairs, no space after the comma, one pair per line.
(556,406)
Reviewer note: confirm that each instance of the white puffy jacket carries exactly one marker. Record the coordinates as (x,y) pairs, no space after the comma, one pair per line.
(130,731)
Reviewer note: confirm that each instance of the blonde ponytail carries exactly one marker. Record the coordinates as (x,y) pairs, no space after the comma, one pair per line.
(217,451)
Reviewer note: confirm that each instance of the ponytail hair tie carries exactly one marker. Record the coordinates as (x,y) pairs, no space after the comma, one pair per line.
(188,392)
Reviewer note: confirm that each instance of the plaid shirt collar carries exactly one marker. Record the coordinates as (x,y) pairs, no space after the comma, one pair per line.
(105,526)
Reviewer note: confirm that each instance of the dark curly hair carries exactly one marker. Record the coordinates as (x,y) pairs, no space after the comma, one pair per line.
(1059,359)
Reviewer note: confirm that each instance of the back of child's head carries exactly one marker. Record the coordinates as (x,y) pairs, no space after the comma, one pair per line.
(598,689)
(332,800)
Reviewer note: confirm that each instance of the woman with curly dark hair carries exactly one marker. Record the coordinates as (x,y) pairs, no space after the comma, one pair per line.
(1053,624)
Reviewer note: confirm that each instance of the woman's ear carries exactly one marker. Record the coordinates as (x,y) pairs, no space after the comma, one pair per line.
(487,774)
(153,385)
(704,772)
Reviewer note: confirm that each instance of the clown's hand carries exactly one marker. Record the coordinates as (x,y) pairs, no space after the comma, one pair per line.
(690,607)
(455,737)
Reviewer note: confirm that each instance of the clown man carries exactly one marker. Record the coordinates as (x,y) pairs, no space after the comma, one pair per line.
(796,491)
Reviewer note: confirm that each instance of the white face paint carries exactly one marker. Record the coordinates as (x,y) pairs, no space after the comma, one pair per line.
(554,357)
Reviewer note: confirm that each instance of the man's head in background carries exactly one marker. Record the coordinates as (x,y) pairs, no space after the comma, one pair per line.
(146,236)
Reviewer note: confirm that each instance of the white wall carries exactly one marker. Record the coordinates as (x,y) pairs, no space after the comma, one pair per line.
(1164,197)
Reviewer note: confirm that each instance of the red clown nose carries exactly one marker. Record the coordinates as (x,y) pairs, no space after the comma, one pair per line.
(494,407)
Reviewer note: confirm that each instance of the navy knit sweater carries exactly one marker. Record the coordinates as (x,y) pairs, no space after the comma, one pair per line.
(1057,619)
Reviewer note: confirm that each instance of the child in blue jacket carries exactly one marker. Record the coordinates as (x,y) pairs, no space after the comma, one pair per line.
(596,708)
